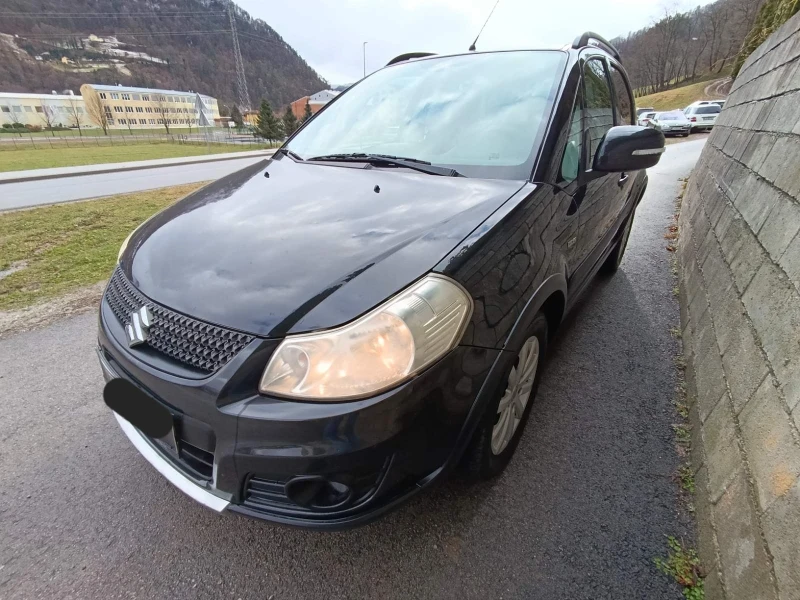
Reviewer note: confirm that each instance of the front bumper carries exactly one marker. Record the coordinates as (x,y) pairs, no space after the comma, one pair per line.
(235,450)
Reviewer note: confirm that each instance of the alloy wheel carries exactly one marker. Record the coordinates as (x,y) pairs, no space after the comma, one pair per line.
(515,399)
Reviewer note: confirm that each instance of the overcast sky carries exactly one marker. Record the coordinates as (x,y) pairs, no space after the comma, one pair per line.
(328,34)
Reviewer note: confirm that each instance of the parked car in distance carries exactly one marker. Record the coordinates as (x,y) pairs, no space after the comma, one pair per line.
(719,103)
(644,118)
(321,335)
(703,116)
(639,111)
(673,122)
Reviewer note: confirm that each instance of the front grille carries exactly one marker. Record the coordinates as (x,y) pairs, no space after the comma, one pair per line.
(195,343)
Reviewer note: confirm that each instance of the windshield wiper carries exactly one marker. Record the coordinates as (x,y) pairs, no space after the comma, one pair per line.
(289,153)
(386,159)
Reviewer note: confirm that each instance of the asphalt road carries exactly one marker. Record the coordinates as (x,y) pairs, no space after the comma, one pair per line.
(65,189)
(580,513)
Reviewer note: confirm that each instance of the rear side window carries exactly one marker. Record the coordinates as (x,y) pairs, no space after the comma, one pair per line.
(708,110)
(599,109)
(622,97)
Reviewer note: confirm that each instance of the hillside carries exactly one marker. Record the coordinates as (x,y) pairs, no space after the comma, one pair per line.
(682,97)
(173,44)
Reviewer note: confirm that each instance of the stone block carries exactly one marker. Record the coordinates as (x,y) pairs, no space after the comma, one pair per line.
(785,114)
(747,260)
(772,452)
(729,318)
(757,150)
(744,364)
(744,562)
(755,200)
(722,458)
(766,111)
(780,530)
(710,382)
(773,305)
(706,542)
(781,165)
(790,262)
(781,225)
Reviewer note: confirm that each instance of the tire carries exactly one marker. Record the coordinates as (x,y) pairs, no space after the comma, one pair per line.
(685,135)
(485,458)
(612,263)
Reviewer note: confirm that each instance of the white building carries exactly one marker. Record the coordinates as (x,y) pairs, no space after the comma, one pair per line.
(41,110)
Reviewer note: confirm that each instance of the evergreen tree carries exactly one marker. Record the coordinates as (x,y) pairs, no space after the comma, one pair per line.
(236,117)
(307,112)
(268,126)
(290,122)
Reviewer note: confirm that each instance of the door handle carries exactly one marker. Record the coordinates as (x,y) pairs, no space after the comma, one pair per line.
(622,179)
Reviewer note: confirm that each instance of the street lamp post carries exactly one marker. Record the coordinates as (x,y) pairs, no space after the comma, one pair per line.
(364,52)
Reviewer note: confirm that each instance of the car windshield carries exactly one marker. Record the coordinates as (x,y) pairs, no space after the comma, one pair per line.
(671,117)
(482,114)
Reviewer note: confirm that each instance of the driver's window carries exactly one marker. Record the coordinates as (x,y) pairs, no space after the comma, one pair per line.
(571,160)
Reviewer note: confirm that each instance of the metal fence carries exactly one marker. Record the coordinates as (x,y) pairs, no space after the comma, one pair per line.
(72,138)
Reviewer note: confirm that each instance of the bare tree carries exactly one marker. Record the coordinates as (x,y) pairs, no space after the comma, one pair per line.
(75,114)
(47,114)
(96,110)
(162,109)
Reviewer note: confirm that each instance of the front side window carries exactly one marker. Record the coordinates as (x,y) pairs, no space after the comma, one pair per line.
(482,114)
(571,160)
(622,98)
(599,109)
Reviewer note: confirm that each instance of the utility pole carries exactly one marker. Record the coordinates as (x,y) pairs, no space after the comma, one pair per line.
(364,51)
(241,82)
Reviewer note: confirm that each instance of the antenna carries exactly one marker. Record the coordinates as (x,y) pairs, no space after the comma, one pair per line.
(472,47)
(241,82)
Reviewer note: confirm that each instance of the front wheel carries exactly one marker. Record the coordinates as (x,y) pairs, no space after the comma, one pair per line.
(494,442)
(612,263)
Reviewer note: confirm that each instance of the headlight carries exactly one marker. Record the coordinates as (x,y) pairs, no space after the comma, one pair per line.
(375,352)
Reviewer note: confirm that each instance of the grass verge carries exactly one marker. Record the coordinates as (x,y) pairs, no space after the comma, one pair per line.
(44,158)
(683,565)
(56,249)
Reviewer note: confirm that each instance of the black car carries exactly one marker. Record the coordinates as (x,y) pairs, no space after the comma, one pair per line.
(317,337)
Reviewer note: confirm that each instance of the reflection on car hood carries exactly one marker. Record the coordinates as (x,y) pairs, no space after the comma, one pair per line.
(309,247)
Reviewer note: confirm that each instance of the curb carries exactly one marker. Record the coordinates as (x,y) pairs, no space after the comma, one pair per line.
(267,154)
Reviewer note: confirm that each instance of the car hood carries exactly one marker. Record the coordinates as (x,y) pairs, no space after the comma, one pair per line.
(307,247)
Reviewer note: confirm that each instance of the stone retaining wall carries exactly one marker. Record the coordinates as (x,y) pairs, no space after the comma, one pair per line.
(739,253)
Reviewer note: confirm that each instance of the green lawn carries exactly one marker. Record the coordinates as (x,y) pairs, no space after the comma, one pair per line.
(67,246)
(43,158)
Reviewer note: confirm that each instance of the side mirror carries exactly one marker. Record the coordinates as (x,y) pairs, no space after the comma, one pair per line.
(629,148)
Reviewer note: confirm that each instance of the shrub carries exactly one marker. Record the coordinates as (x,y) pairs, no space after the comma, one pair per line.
(33,128)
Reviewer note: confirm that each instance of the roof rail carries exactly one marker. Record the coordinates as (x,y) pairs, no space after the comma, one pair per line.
(409,56)
(590,36)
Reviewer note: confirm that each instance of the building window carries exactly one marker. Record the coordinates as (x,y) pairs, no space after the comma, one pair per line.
(139,109)
(18,108)
(152,121)
(145,98)
(28,109)
(142,121)
(80,110)
(123,122)
(128,109)
(136,97)
(103,95)
(148,109)
(111,121)
(126,96)
(114,96)
(4,108)
(39,110)
(108,111)
(118,109)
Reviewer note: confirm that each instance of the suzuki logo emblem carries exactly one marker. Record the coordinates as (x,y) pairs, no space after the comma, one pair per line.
(138,328)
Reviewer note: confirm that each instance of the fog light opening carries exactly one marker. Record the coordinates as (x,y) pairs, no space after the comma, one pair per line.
(316,492)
